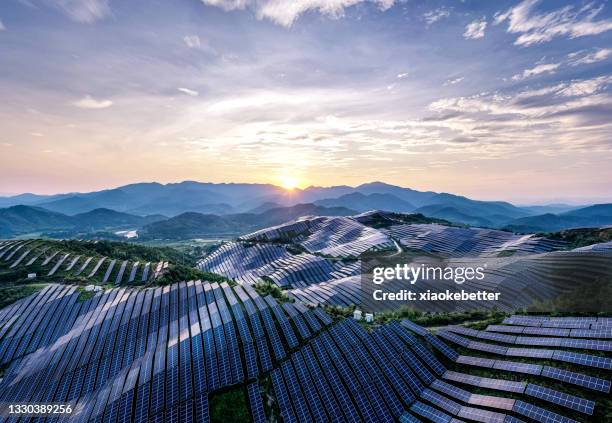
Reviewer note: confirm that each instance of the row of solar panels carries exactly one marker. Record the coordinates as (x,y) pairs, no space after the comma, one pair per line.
(153,353)
(462,242)
(349,374)
(342,292)
(593,323)
(249,263)
(585,344)
(542,393)
(329,236)
(550,354)
(118,271)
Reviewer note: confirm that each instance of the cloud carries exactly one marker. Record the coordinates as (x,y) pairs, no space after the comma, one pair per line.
(187,91)
(537,70)
(192,41)
(454,81)
(596,56)
(475,29)
(89,102)
(2,27)
(286,12)
(569,21)
(435,15)
(402,75)
(84,11)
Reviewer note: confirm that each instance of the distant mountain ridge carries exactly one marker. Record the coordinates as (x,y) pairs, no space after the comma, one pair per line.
(594,216)
(196,225)
(226,199)
(21,220)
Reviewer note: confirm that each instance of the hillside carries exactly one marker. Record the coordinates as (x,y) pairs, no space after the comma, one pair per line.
(198,225)
(586,217)
(362,202)
(21,220)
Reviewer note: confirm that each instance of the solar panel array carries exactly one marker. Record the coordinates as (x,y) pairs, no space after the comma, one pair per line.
(329,236)
(153,353)
(462,242)
(249,263)
(18,254)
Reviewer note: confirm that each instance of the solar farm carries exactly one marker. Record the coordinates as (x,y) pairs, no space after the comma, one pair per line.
(230,350)
(162,354)
(47,260)
(317,259)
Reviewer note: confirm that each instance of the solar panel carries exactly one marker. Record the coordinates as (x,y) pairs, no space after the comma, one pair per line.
(255,403)
(579,379)
(481,415)
(451,390)
(583,359)
(442,347)
(414,327)
(280,392)
(430,413)
(529,352)
(297,399)
(570,401)
(441,401)
(476,361)
(539,414)
(512,366)
(408,418)
(492,401)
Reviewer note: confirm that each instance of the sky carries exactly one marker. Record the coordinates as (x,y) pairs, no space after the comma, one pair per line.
(505,100)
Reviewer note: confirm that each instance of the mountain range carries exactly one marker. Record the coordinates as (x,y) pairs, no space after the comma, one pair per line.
(234,205)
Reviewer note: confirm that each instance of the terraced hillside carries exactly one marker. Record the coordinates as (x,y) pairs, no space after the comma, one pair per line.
(73,261)
(178,353)
(317,259)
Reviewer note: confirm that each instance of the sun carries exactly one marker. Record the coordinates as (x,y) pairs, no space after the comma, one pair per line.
(288,182)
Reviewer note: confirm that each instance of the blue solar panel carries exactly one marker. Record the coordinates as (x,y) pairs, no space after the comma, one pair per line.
(202,413)
(326,391)
(414,327)
(441,401)
(256,404)
(442,347)
(584,359)
(512,366)
(293,387)
(570,401)
(430,413)
(579,379)
(282,397)
(408,418)
(539,414)
(451,390)
(430,359)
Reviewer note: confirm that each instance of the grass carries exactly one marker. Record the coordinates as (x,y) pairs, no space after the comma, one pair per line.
(178,272)
(229,406)
(10,294)
(265,288)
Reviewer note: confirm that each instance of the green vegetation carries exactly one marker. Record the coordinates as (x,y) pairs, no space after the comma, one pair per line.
(582,237)
(590,297)
(84,295)
(438,319)
(229,406)
(178,272)
(10,294)
(264,288)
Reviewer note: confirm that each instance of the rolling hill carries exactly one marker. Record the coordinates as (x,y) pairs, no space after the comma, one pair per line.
(586,217)
(21,220)
(198,225)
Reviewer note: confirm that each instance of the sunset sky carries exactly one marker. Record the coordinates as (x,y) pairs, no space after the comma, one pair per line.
(508,100)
